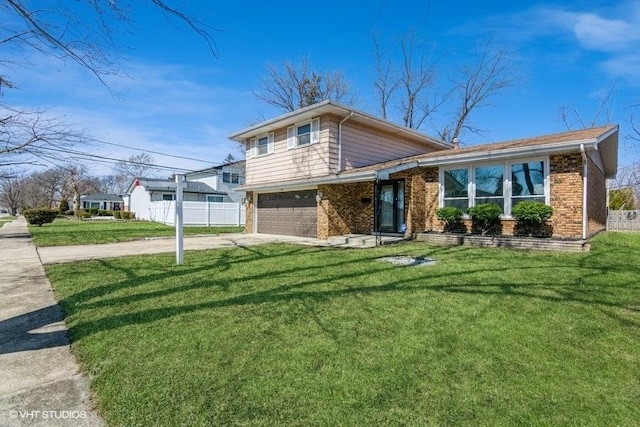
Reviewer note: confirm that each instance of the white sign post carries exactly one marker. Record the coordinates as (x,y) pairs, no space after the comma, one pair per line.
(179,220)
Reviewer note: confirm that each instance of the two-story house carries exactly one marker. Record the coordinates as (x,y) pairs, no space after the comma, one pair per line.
(217,184)
(328,170)
(224,178)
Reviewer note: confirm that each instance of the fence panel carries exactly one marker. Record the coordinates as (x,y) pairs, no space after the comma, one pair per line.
(199,213)
(623,221)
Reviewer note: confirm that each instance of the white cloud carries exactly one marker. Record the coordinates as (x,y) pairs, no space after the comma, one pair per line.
(165,108)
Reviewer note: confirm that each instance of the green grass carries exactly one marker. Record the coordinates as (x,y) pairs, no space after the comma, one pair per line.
(5,219)
(289,335)
(64,232)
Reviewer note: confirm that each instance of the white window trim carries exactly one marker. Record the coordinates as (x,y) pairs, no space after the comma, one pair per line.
(441,183)
(314,134)
(507,184)
(253,145)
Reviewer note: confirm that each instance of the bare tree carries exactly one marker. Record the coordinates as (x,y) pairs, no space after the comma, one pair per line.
(573,119)
(31,137)
(11,193)
(386,83)
(297,86)
(77,183)
(136,165)
(43,189)
(488,76)
(411,85)
(83,32)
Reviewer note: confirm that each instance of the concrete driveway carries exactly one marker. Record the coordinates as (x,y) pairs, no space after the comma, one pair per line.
(61,254)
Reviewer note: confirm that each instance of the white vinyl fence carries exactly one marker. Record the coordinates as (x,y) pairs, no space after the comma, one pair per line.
(199,213)
(623,221)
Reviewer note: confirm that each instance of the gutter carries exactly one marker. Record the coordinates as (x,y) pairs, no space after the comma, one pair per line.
(340,140)
(585,168)
(483,156)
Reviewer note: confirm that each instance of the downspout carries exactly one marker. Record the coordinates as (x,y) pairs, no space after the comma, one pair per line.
(585,168)
(340,140)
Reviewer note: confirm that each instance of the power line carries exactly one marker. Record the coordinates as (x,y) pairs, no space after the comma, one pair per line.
(79,155)
(148,151)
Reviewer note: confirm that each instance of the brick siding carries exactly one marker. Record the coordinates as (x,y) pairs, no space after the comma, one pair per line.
(345,209)
(566,194)
(249,210)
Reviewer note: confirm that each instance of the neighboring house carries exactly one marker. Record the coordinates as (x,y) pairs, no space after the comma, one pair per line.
(143,191)
(225,178)
(110,202)
(329,170)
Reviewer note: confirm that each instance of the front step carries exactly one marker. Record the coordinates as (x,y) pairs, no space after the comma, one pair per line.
(361,240)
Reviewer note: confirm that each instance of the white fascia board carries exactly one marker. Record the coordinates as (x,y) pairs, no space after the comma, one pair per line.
(324,107)
(312,182)
(483,156)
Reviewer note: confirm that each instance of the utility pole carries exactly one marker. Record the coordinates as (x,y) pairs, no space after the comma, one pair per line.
(179,220)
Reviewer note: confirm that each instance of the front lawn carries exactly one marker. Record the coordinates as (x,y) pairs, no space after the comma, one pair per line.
(291,335)
(5,219)
(63,231)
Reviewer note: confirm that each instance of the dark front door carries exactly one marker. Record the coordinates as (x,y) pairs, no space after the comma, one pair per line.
(390,206)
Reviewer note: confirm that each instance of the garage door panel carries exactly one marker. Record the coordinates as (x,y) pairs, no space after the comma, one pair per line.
(290,213)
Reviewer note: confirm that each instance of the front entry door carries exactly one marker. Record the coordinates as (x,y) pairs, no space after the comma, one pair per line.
(390,206)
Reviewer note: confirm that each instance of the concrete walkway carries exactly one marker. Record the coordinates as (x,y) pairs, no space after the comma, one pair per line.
(40,382)
(61,254)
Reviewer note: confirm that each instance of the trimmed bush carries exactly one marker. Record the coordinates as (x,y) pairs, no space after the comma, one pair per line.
(116,214)
(531,217)
(39,217)
(94,211)
(64,207)
(69,212)
(485,217)
(132,215)
(103,212)
(451,216)
(125,215)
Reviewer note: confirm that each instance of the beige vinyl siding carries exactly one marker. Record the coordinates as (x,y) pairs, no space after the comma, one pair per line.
(363,146)
(288,164)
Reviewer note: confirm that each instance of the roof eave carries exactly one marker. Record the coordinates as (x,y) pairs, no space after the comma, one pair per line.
(312,182)
(326,107)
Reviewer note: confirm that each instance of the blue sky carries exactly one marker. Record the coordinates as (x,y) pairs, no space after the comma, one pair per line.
(178,98)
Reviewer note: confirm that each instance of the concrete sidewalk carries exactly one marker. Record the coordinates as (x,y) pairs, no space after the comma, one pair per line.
(40,382)
(61,254)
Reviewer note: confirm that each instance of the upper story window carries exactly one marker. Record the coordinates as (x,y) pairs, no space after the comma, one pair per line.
(261,146)
(303,134)
(505,184)
(231,177)
(167,197)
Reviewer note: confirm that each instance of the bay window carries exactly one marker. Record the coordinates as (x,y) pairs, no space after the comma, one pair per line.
(506,184)
(527,182)
(456,188)
(489,185)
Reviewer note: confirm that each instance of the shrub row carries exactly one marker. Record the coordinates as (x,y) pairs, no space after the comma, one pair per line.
(531,217)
